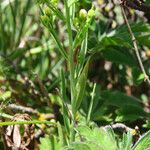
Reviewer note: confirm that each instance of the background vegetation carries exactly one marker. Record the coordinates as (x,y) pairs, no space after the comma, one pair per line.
(70,77)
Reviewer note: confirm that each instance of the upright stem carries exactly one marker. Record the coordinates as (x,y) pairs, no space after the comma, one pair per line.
(70,63)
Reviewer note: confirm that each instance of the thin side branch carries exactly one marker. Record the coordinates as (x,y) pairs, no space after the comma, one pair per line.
(123,128)
(146,77)
(22,108)
(136,4)
(119,126)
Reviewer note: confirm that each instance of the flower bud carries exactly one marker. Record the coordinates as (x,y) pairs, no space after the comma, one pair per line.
(91,13)
(76,23)
(83,14)
(54,2)
(48,12)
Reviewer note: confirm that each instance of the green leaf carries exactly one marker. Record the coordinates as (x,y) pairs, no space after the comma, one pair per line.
(64,106)
(104,137)
(5,95)
(80,146)
(138,76)
(130,114)
(119,99)
(82,53)
(119,55)
(80,87)
(90,138)
(56,11)
(61,135)
(49,143)
(100,113)
(82,33)
(126,142)
(45,143)
(121,38)
(57,40)
(122,101)
(99,137)
(143,143)
(140,30)
(71,2)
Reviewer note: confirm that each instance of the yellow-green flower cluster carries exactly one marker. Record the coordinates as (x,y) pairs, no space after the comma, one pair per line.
(84,17)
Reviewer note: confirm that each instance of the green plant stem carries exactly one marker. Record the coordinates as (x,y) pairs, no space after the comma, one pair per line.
(68,17)
(13,13)
(72,133)
(5,115)
(26,9)
(26,122)
(71,63)
(91,104)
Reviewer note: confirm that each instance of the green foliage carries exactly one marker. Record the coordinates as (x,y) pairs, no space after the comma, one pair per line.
(99,138)
(49,143)
(126,141)
(73,64)
(5,95)
(80,87)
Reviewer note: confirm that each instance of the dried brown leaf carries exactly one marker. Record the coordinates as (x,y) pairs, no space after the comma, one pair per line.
(19,137)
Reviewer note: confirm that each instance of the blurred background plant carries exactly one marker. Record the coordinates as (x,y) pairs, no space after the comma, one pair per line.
(36,63)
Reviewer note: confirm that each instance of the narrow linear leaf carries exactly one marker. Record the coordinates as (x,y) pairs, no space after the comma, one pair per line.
(126,141)
(61,49)
(56,11)
(80,87)
(64,107)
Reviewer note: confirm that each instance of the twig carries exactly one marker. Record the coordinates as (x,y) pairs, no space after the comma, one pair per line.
(22,108)
(119,126)
(123,128)
(146,77)
(137,4)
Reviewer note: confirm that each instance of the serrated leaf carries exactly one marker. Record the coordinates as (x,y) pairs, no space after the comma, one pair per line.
(126,141)
(45,143)
(49,143)
(80,146)
(99,136)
